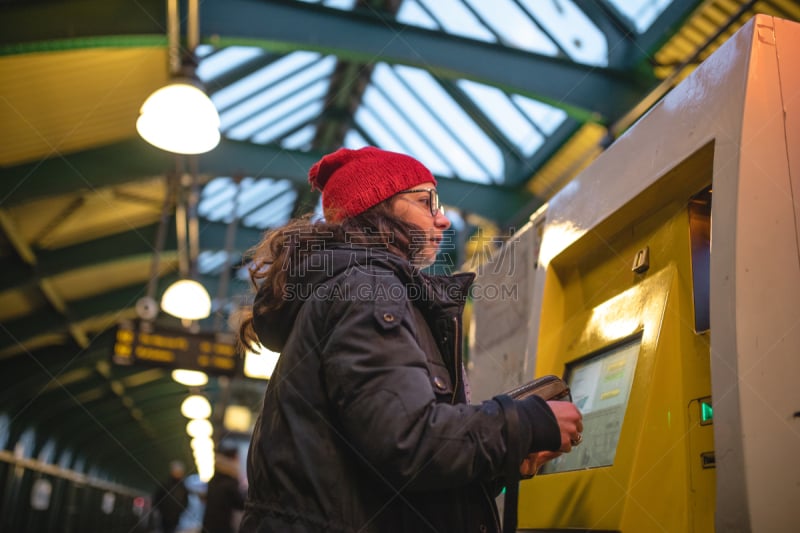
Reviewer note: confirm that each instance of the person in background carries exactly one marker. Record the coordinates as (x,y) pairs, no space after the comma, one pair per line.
(171,498)
(366,423)
(223,495)
(192,518)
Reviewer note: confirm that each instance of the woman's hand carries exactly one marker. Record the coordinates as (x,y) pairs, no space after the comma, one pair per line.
(533,462)
(570,422)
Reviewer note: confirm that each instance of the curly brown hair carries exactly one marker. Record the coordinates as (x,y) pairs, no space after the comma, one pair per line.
(378,226)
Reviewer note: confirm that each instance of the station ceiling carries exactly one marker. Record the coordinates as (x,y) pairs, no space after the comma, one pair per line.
(505,101)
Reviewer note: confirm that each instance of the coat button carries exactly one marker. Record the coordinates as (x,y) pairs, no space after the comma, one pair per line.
(388,317)
(439,383)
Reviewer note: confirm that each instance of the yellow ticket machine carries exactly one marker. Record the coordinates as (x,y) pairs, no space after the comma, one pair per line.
(618,322)
(679,337)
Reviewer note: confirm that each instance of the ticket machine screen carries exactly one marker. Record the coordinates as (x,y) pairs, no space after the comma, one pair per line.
(600,385)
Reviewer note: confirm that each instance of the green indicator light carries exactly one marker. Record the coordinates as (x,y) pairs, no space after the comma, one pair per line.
(706,412)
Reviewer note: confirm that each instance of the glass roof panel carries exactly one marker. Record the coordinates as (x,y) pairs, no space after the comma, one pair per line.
(354,140)
(252,84)
(514,26)
(212,262)
(547,118)
(641,12)
(338,4)
(258,193)
(368,122)
(293,100)
(277,213)
(290,122)
(406,138)
(301,139)
(452,131)
(404,108)
(453,17)
(267,97)
(501,110)
(224,60)
(202,50)
(577,36)
(261,203)
(412,14)
(389,94)
(552,28)
(371,121)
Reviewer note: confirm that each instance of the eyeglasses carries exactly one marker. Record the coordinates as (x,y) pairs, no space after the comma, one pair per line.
(433,200)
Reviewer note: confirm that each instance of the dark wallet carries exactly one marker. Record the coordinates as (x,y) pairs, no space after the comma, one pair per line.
(546,387)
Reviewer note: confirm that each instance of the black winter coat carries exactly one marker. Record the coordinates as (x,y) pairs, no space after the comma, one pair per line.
(222,499)
(171,499)
(364,425)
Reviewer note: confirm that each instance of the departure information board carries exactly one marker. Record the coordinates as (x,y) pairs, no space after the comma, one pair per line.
(144,343)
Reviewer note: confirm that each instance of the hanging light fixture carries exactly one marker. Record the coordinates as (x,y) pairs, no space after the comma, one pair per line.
(199,427)
(190,378)
(180,117)
(186,299)
(196,406)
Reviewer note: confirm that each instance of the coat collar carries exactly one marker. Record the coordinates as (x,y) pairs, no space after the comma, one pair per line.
(436,293)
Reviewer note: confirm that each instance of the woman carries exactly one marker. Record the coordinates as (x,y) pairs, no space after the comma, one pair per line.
(365,424)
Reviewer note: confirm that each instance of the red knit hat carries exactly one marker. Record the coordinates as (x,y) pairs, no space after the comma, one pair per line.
(352,181)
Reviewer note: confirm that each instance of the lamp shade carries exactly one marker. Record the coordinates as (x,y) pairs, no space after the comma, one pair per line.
(203,445)
(179,118)
(196,406)
(199,427)
(190,378)
(186,299)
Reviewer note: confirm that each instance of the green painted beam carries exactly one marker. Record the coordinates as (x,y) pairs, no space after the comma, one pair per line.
(108,408)
(39,26)
(113,164)
(619,31)
(233,158)
(587,92)
(133,159)
(47,320)
(626,47)
(492,202)
(29,373)
(120,246)
(525,169)
(111,430)
(665,26)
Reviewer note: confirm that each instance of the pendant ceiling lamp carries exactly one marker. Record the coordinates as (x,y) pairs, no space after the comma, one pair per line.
(180,117)
(186,298)
(196,406)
